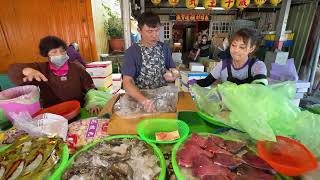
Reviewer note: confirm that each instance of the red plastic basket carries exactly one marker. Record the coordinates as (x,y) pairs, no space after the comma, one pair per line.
(68,109)
(287,156)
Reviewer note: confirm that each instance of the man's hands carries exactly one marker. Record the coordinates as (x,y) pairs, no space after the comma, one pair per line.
(149,106)
(171,75)
(32,74)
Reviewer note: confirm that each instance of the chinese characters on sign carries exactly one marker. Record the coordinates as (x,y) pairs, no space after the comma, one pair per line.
(191,4)
(209,4)
(227,4)
(192,17)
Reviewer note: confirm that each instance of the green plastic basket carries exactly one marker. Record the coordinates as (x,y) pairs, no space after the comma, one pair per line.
(211,119)
(148,127)
(58,173)
(63,160)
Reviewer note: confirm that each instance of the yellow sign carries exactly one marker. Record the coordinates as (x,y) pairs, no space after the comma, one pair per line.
(192,17)
(156,2)
(241,4)
(209,4)
(227,4)
(173,2)
(191,4)
(275,2)
(259,3)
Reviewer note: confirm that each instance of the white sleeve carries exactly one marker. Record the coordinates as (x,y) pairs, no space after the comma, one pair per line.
(258,68)
(216,71)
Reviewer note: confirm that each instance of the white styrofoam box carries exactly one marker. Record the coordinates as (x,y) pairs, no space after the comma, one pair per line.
(193,66)
(187,75)
(99,68)
(116,80)
(299,95)
(302,90)
(302,84)
(102,81)
(296,102)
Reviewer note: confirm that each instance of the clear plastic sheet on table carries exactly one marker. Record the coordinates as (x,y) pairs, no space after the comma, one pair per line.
(165,100)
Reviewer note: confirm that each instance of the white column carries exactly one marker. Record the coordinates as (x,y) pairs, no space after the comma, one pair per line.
(282,21)
(142,6)
(125,12)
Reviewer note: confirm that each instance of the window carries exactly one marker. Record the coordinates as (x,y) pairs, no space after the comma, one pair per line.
(166,27)
(221,27)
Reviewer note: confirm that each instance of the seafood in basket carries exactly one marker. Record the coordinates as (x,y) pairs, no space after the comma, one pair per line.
(213,157)
(31,158)
(120,158)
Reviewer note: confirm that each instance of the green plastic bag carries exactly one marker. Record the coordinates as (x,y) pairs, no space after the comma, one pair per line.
(260,110)
(208,100)
(266,111)
(307,131)
(97,98)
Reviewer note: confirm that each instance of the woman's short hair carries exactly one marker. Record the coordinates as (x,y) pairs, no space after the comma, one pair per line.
(247,36)
(50,42)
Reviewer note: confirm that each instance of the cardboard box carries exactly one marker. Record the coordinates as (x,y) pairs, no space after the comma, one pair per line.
(99,68)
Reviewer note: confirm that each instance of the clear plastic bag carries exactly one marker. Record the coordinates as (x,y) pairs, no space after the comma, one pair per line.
(46,124)
(165,100)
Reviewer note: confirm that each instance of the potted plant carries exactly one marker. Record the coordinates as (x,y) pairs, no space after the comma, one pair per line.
(114,30)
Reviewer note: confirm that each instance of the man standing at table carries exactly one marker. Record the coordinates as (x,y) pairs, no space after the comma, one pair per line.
(147,64)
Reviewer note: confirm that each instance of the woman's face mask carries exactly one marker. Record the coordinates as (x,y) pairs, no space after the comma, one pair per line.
(59,60)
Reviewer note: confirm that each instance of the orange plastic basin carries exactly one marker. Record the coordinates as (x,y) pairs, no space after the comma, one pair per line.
(287,156)
(68,109)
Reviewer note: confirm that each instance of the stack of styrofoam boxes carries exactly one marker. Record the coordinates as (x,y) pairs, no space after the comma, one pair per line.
(196,67)
(101,73)
(302,87)
(116,83)
(188,75)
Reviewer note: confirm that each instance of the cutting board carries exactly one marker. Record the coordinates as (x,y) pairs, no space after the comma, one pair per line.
(120,125)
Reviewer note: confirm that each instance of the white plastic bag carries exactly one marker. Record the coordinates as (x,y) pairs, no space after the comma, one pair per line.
(46,124)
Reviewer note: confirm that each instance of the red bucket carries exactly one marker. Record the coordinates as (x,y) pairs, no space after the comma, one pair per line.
(68,109)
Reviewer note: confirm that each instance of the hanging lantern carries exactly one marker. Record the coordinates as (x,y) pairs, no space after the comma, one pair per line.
(209,4)
(259,3)
(191,4)
(173,2)
(227,4)
(241,4)
(275,2)
(156,2)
